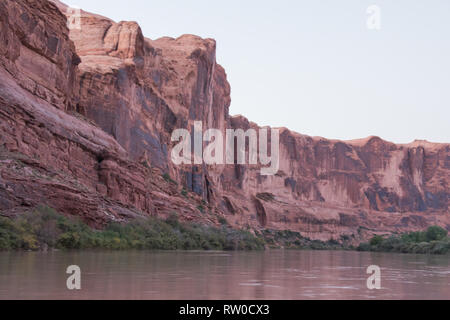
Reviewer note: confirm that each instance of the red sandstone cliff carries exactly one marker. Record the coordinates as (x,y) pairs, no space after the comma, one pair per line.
(86,118)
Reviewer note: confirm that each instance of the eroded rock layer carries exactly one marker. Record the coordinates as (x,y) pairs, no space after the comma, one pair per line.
(86,117)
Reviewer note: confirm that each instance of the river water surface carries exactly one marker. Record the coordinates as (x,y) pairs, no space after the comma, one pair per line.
(273,274)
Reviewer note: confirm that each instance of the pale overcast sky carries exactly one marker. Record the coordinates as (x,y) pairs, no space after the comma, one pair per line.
(313,65)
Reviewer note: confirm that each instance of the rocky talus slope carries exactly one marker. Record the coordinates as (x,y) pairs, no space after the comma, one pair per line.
(86,117)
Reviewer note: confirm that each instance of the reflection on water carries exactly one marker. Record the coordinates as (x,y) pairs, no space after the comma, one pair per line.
(274,274)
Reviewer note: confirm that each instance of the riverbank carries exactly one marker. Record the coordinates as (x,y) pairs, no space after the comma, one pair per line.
(43,228)
(434,240)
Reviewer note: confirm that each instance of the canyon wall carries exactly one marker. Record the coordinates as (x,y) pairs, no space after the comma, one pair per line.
(86,117)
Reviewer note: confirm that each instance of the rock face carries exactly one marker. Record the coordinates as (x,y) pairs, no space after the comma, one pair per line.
(86,118)
(50,154)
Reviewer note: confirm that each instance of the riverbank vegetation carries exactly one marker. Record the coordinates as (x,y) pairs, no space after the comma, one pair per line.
(434,240)
(43,228)
(294,240)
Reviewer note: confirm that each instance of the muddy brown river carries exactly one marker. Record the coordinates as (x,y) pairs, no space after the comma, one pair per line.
(273,274)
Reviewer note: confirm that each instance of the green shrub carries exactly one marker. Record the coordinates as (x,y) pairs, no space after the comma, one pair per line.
(414,237)
(436,233)
(364,247)
(376,240)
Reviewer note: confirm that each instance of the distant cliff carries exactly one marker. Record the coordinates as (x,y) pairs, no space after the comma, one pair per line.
(86,118)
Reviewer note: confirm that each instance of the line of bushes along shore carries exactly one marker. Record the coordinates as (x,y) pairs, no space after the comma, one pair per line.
(434,240)
(43,228)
